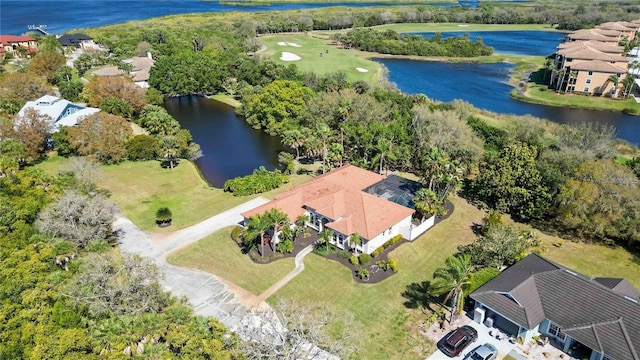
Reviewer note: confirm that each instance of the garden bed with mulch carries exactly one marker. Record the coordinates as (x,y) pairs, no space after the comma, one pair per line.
(376,275)
(271,255)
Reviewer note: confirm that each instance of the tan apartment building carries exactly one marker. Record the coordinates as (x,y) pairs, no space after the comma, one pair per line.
(587,60)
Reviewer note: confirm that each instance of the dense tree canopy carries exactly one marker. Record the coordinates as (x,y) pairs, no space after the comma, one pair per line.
(100,88)
(390,42)
(101,136)
(187,73)
(601,201)
(278,107)
(511,183)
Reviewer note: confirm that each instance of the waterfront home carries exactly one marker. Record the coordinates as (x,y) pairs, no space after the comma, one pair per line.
(350,200)
(594,61)
(77,40)
(16,45)
(61,112)
(589,318)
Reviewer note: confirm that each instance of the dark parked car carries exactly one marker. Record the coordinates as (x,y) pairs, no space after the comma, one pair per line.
(484,352)
(457,340)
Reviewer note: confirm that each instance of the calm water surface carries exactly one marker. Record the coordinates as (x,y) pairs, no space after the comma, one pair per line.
(485,86)
(62,15)
(231,147)
(533,43)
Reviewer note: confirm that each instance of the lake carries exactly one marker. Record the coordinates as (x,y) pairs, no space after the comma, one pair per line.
(59,16)
(485,86)
(231,147)
(532,43)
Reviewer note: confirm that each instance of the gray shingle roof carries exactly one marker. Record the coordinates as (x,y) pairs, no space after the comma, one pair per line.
(621,286)
(589,311)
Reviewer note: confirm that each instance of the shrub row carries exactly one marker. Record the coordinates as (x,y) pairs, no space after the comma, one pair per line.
(260,181)
(394,240)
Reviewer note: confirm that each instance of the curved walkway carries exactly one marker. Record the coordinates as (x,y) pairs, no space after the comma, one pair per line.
(299,261)
(208,294)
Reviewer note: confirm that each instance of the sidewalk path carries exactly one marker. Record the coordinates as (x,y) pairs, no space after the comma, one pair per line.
(208,294)
(299,260)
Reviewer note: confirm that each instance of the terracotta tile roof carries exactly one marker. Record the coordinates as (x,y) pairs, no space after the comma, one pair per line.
(618,25)
(10,39)
(597,66)
(593,45)
(589,34)
(338,195)
(586,53)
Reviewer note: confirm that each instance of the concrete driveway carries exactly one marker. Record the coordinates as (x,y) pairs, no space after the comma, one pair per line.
(504,346)
(207,294)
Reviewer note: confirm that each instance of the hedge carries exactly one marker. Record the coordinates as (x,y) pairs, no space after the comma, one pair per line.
(394,240)
(260,181)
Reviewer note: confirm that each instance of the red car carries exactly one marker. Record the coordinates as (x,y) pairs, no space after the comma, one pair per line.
(457,340)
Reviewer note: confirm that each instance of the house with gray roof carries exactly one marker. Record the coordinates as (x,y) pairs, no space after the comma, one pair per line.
(599,316)
(61,112)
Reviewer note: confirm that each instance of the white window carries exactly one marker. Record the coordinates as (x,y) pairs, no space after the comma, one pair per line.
(556,331)
(588,81)
(590,73)
(586,89)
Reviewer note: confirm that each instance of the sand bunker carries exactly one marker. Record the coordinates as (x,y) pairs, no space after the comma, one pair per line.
(362,69)
(282,43)
(294,44)
(287,56)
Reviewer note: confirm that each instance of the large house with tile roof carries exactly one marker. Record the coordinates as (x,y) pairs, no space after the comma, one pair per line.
(349,200)
(599,317)
(9,44)
(588,58)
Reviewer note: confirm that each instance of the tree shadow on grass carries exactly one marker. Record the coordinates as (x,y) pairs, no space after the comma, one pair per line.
(417,297)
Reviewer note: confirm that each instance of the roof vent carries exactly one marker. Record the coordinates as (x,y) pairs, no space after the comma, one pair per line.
(632,299)
(572,273)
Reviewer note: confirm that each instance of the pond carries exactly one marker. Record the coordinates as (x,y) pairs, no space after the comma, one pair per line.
(525,42)
(485,86)
(231,147)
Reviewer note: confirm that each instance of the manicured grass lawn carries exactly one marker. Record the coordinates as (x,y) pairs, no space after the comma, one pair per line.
(335,60)
(390,327)
(540,94)
(593,259)
(446,27)
(140,188)
(226,99)
(219,254)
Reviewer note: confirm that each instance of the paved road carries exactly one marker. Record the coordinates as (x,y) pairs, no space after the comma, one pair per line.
(208,294)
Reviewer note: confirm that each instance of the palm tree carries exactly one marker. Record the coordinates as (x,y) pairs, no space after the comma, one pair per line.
(560,77)
(325,235)
(355,241)
(294,139)
(324,134)
(615,79)
(169,147)
(257,225)
(573,74)
(427,203)
(627,84)
(277,218)
(434,160)
(383,151)
(548,66)
(453,279)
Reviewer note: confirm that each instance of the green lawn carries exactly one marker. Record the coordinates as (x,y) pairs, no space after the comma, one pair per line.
(446,27)
(218,254)
(390,327)
(335,60)
(540,94)
(140,188)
